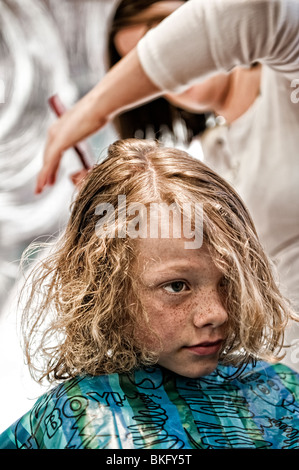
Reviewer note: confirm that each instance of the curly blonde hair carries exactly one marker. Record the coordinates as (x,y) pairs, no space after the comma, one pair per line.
(87,305)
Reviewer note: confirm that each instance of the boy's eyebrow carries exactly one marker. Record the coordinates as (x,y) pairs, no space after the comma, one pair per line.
(183,263)
(160,266)
(177,266)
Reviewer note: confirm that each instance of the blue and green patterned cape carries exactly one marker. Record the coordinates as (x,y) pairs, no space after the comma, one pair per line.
(155,409)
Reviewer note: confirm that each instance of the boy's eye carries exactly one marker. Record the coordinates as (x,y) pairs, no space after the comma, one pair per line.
(175,287)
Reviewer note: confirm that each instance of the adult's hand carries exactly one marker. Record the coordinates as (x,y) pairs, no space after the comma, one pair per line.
(72,127)
(78,177)
(52,157)
(126,85)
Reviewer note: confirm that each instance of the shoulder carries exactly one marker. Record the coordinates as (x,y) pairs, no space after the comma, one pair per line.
(83,412)
(50,421)
(251,372)
(274,384)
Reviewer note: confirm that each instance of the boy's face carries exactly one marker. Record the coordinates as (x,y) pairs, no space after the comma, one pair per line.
(181,291)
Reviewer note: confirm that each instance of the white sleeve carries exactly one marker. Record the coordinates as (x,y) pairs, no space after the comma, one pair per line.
(204,37)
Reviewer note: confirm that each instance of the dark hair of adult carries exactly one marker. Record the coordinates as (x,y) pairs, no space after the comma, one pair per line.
(158,116)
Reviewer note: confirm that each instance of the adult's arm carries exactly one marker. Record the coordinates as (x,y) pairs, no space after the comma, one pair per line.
(123,86)
(200,38)
(204,37)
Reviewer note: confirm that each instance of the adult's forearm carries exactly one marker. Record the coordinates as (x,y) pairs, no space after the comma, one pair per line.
(124,86)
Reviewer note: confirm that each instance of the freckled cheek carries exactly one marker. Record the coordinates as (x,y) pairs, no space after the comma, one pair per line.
(168,322)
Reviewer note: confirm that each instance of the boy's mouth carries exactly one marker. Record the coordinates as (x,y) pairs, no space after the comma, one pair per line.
(206,348)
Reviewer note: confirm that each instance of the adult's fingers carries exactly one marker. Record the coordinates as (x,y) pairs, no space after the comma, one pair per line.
(48,172)
(77,178)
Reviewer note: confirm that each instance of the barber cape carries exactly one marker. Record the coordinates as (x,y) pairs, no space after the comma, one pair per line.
(153,408)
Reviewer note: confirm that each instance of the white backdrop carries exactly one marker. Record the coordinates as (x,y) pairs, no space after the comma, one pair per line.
(46,47)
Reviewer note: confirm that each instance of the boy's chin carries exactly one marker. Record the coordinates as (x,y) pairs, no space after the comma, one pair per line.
(194,371)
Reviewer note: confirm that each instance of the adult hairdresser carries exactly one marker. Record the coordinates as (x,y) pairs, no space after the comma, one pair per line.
(210,42)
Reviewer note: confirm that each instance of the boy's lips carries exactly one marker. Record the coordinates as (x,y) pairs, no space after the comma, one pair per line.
(206,348)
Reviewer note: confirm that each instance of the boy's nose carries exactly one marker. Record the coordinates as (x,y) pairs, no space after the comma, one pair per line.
(209,310)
